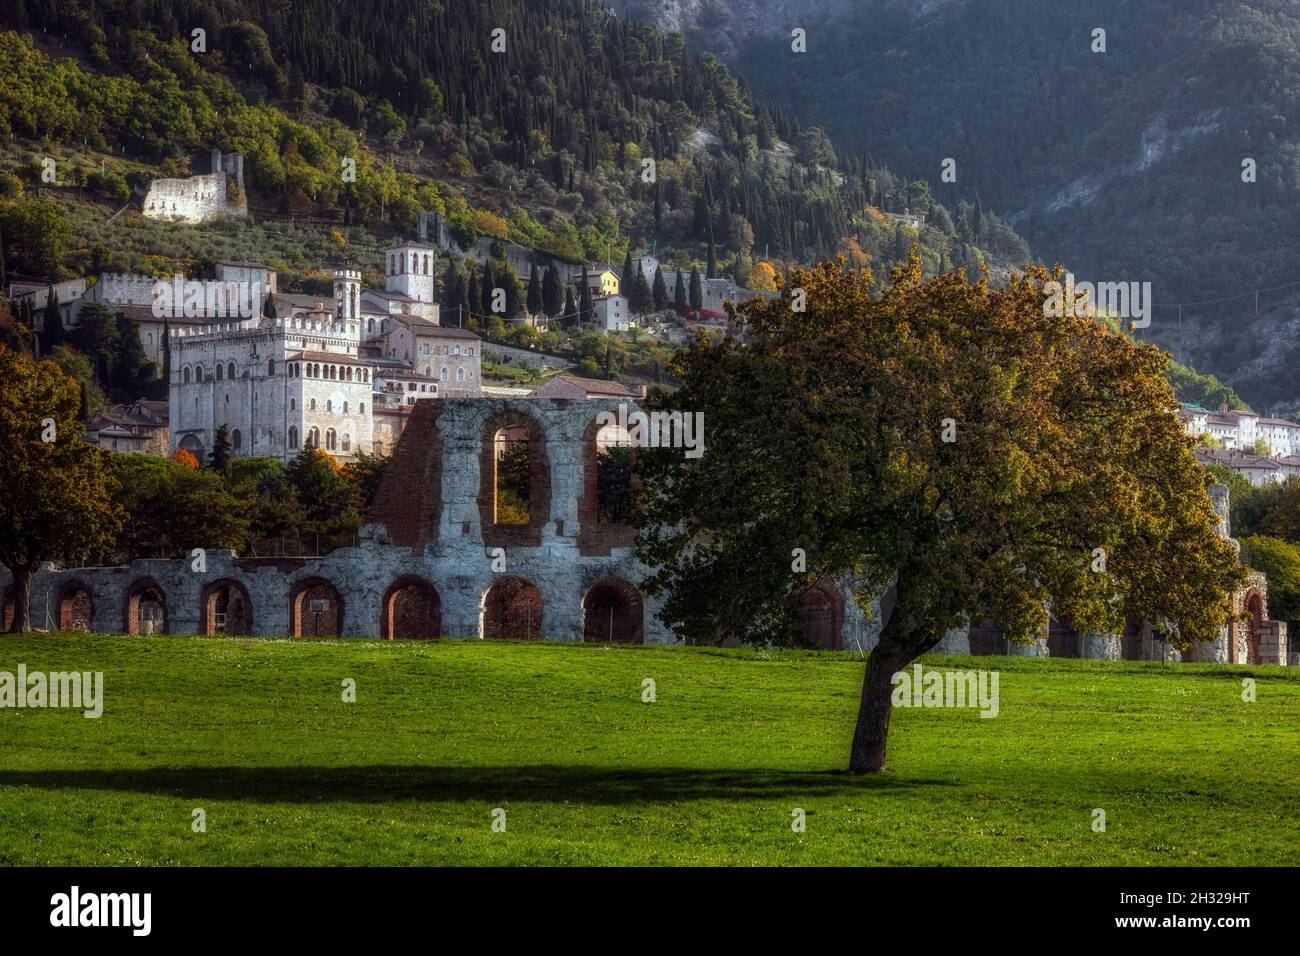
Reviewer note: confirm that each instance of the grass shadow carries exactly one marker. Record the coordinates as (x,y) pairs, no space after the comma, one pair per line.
(546,783)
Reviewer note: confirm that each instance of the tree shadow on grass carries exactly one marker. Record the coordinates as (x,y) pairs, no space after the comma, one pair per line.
(546,783)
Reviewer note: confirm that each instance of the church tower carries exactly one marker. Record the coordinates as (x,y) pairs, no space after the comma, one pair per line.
(347,295)
(410,270)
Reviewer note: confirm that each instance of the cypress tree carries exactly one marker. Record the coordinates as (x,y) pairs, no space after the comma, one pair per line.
(570,307)
(584,299)
(679,294)
(534,293)
(488,287)
(697,291)
(53,334)
(551,298)
(711,266)
(660,291)
(473,295)
(220,459)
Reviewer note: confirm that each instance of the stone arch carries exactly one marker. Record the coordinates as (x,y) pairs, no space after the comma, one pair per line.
(613,612)
(608,478)
(226,608)
(145,608)
(315,609)
(822,617)
(512,609)
(527,534)
(194,446)
(411,609)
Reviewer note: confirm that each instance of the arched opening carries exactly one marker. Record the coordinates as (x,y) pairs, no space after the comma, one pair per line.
(315,609)
(195,447)
(613,613)
(1062,639)
(822,617)
(412,610)
(1254,625)
(510,479)
(75,609)
(226,609)
(512,609)
(514,481)
(146,608)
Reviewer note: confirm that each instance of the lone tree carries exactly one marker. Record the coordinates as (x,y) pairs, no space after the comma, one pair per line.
(59,490)
(946,444)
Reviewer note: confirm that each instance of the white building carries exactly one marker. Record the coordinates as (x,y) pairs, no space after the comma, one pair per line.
(613,313)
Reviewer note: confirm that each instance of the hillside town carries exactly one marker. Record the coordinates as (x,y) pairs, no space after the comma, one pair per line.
(270,372)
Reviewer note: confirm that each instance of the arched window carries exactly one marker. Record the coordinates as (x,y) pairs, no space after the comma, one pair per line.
(345,408)
(330,440)
(219,371)
(370,326)
(443,374)
(426,264)
(313,404)
(293,404)
(347,442)
(350,373)
(230,371)
(460,375)
(293,436)
(236,440)
(150,338)
(185,375)
(362,408)
(415,262)
(313,438)
(329,404)
(270,366)
(455,350)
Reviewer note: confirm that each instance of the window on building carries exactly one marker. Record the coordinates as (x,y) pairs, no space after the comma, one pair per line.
(443,375)
(460,375)
(293,404)
(313,438)
(185,375)
(270,366)
(313,404)
(230,371)
(345,408)
(329,405)
(293,436)
(362,408)
(331,440)
(236,440)
(455,350)
(219,371)
(347,442)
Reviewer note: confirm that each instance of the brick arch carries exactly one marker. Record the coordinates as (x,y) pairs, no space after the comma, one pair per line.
(144,607)
(304,621)
(594,536)
(539,482)
(822,617)
(225,608)
(613,612)
(513,610)
(74,608)
(411,609)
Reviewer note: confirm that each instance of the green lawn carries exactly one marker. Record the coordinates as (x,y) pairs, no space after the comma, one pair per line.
(257,735)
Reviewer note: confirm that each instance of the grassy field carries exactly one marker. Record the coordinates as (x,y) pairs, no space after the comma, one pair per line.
(256,733)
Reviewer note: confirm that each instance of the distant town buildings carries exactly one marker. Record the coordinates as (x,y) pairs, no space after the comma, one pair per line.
(1235,439)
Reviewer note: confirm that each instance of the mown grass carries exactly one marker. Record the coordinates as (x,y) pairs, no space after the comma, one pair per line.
(256,733)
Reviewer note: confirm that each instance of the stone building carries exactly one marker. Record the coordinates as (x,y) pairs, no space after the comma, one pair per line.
(200,198)
(459,544)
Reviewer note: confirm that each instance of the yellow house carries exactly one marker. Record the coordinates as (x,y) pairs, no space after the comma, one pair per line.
(602,281)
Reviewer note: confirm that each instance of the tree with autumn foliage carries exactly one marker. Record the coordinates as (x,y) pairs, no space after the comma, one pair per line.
(945,444)
(58,499)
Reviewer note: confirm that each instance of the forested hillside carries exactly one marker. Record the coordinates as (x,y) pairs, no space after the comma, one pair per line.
(544,143)
(1125,164)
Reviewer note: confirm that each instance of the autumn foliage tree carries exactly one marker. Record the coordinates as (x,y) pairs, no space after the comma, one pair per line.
(58,499)
(945,443)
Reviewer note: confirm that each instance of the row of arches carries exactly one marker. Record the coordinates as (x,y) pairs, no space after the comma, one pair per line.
(512,609)
(397,264)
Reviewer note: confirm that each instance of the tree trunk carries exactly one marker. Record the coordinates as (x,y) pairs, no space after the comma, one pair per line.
(871,735)
(22,622)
